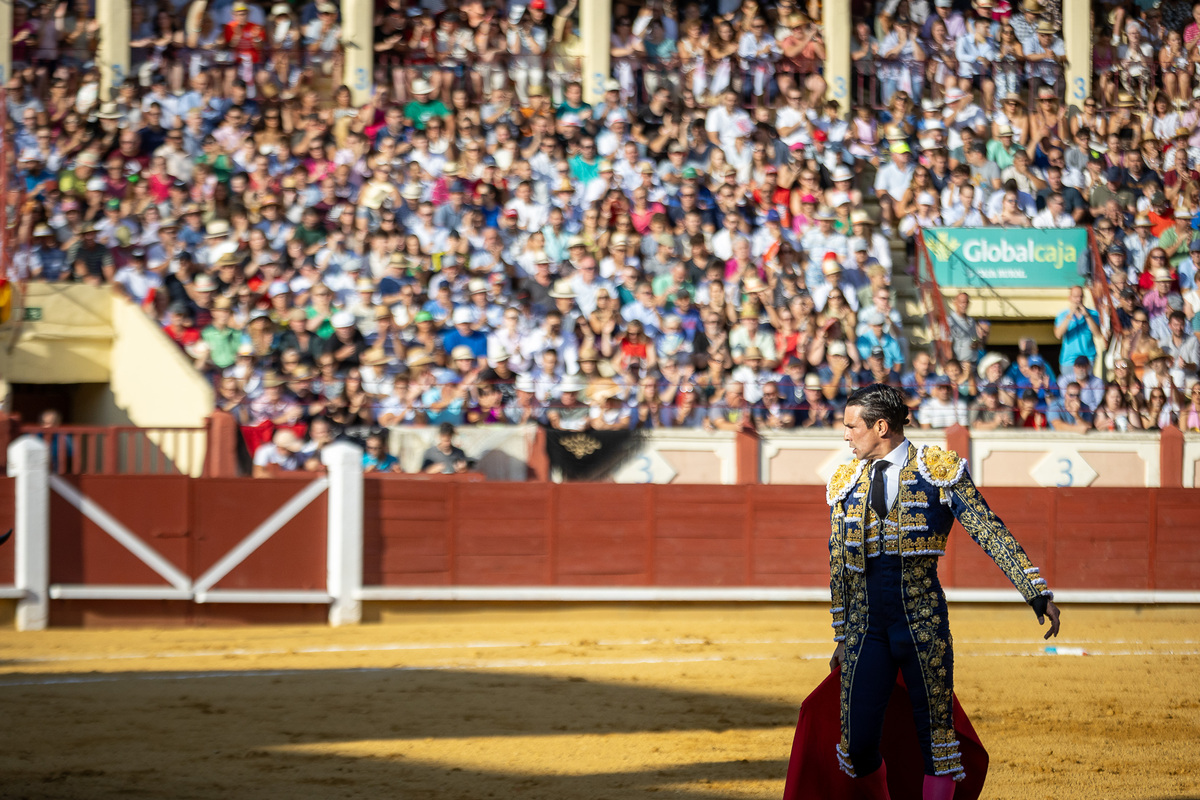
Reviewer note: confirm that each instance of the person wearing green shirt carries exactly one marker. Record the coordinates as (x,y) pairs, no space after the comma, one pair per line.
(584,165)
(573,103)
(1177,239)
(221,339)
(421,109)
(668,284)
(310,232)
(1001,150)
(74,181)
(218,162)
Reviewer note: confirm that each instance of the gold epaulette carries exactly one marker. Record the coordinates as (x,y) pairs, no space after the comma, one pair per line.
(843,480)
(940,467)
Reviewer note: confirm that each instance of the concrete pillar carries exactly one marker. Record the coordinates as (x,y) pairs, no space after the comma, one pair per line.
(29,463)
(344,558)
(113,57)
(595,28)
(1077,38)
(6,34)
(358,34)
(837,33)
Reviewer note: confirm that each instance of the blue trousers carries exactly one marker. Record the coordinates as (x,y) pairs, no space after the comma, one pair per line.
(890,646)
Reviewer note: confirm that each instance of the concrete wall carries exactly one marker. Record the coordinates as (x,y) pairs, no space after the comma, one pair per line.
(69,341)
(152,381)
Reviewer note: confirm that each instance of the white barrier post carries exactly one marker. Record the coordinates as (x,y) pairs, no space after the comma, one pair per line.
(344,532)
(29,463)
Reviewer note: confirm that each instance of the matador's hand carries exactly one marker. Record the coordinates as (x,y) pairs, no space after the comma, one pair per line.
(1052,613)
(839,656)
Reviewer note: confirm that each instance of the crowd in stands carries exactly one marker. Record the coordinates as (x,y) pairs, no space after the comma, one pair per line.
(711,245)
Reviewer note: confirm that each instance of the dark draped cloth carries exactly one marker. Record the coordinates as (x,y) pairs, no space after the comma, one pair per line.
(589,455)
(813,772)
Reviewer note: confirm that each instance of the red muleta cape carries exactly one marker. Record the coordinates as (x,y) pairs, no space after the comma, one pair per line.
(813,772)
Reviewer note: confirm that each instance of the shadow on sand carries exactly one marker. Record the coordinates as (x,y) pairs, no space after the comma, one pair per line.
(180,735)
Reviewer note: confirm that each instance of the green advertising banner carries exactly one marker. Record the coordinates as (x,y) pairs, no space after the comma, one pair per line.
(1030,258)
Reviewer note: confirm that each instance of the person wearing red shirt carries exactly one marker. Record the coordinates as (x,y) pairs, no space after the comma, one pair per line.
(1027,414)
(245,37)
(180,328)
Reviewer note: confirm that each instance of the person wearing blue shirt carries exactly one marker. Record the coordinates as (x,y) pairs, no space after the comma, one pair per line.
(875,337)
(461,335)
(376,458)
(918,384)
(1091,388)
(1036,377)
(1187,270)
(1076,328)
(1069,413)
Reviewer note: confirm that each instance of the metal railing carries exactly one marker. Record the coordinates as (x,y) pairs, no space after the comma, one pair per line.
(123,449)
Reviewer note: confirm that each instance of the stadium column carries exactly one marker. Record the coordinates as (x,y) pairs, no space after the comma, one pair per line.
(113,56)
(595,28)
(836,23)
(1077,40)
(5,41)
(29,463)
(358,32)
(344,532)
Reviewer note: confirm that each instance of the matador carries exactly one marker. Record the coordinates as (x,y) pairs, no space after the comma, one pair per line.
(891,510)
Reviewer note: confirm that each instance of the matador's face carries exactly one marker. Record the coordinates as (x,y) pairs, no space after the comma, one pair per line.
(866,441)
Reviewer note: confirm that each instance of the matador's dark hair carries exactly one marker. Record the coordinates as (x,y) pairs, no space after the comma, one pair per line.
(880,401)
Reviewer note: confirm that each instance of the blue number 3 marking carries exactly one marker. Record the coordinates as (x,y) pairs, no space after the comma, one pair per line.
(643,466)
(1079,90)
(839,87)
(1065,476)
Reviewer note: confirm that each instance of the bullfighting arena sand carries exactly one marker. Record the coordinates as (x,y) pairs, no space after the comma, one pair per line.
(679,703)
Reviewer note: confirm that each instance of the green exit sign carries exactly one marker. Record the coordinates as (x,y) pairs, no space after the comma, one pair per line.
(33,314)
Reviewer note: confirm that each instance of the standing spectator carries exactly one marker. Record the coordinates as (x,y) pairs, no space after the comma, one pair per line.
(1077,328)
(964,340)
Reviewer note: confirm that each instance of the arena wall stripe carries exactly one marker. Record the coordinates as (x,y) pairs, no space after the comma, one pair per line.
(212,550)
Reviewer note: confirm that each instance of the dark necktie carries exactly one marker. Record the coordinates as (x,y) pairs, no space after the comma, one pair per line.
(879,503)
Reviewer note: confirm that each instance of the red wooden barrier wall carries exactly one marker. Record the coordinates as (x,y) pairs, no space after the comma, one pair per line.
(7,488)
(192,523)
(494,534)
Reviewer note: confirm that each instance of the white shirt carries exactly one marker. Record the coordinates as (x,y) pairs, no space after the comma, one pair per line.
(1046,219)
(895,461)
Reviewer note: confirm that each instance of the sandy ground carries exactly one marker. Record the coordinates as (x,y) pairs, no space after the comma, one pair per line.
(684,703)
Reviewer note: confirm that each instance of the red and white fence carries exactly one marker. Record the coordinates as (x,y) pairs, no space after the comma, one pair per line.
(159,549)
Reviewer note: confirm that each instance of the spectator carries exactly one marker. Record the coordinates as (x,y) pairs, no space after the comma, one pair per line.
(1116,413)
(990,414)
(712,203)
(963,332)
(376,458)
(444,457)
(283,452)
(1069,413)
(1091,387)
(1027,414)
(1077,328)
(943,408)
